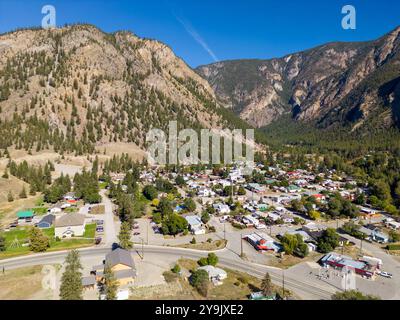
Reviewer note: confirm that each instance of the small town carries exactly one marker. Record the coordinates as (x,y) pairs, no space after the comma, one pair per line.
(314,234)
(199,159)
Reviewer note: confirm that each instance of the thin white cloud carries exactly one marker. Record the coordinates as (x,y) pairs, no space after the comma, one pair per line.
(197,37)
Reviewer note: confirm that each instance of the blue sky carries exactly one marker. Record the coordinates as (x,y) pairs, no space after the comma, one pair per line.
(204,31)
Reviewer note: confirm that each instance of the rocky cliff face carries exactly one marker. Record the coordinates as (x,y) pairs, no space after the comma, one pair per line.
(81,83)
(344,83)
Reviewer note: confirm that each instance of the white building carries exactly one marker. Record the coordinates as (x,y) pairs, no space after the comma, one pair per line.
(222,208)
(216,275)
(195,225)
(70,225)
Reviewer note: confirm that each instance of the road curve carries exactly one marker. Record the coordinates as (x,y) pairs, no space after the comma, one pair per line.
(301,288)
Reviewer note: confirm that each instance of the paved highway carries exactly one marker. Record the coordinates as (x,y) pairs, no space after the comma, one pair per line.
(227,259)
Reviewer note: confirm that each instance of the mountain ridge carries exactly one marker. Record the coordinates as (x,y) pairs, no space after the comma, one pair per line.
(310,85)
(77,86)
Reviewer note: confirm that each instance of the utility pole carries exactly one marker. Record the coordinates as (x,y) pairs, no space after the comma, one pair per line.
(224,231)
(241,245)
(142,248)
(232,187)
(147,234)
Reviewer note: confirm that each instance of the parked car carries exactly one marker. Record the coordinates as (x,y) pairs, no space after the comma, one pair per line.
(98,241)
(386,275)
(136,234)
(99,229)
(100,222)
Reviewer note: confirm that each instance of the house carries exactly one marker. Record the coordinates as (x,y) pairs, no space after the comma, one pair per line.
(368,211)
(256,188)
(70,225)
(222,208)
(89,282)
(262,207)
(319,197)
(287,218)
(46,222)
(205,192)
(313,227)
(216,275)
(393,225)
(23,216)
(293,189)
(375,235)
(306,237)
(312,247)
(122,265)
(274,216)
(262,242)
(195,225)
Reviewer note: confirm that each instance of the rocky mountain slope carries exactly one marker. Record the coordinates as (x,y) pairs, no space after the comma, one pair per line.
(76,87)
(355,84)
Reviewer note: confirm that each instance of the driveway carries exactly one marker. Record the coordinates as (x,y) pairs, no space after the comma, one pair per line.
(111,228)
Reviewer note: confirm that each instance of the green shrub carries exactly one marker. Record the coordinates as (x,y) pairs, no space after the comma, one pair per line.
(393,247)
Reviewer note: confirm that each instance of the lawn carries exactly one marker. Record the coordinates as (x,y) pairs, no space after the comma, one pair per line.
(15,248)
(40,211)
(90,231)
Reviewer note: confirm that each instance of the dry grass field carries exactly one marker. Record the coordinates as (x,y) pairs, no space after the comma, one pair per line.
(14,286)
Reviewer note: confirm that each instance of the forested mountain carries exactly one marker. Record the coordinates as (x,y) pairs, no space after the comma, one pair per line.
(351,85)
(72,88)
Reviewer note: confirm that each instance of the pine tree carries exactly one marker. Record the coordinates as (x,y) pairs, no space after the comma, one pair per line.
(110,284)
(266,285)
(71,281)
(10,197)
(125,236)
(38,241)
(32,191)
(23,195)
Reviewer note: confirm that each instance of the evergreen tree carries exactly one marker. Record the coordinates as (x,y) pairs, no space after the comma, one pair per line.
(266,285)
(38,242)
(23,195)
(10,197)
(125,236)
(110,284)
(71,281)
